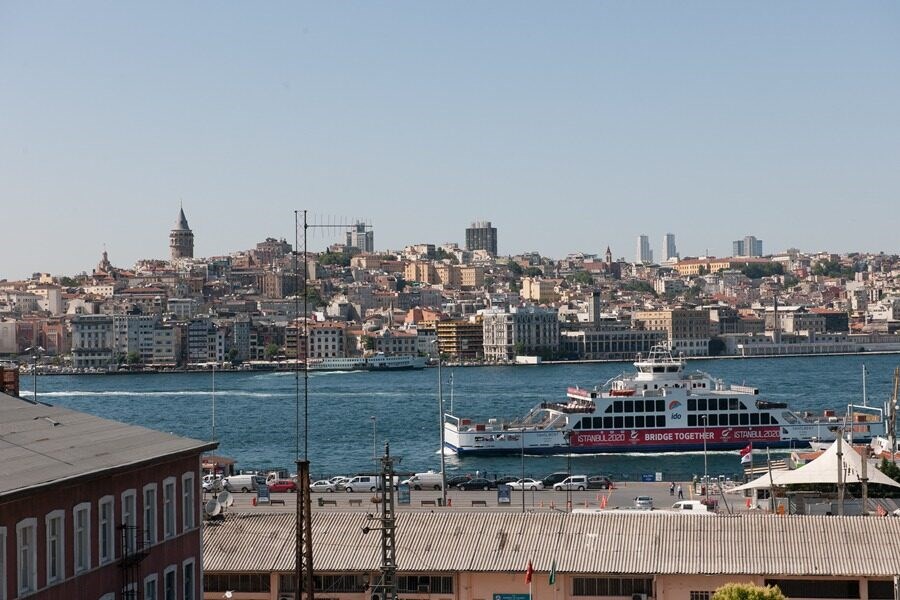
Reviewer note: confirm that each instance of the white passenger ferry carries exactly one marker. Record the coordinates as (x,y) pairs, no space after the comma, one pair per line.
(660,408)
(377,362)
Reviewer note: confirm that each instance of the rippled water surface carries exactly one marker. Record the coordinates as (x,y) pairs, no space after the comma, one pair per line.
(256,413)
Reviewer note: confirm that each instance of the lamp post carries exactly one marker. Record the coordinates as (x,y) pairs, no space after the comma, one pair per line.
(35,355)
(568,436)
(441,423)
(374,442)
(522,440)
(705,464)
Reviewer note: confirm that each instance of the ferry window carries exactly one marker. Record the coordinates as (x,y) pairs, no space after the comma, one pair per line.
(692,404)
(672,369)
(598,422)
(701,404)
(638,406)
(659,369)
(607,422)
(578,425)
(743,406)
(754,418)
(660,405)
(629,422)
(789,418)
(745,419)
(723,403)
(584,423)
(617,406)
(733,404)
(733,419)
(618,422)
(629,406)
(692,420)
(639,421)
(660,420)
(764,419)
(713,420)
(608,409)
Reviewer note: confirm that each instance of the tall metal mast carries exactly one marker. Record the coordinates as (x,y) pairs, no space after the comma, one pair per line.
(386,586)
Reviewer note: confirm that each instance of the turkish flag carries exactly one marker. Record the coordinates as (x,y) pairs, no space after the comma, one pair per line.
(529,571)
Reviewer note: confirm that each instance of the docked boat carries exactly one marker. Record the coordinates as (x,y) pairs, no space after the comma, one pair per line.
(376,362)
(659,408)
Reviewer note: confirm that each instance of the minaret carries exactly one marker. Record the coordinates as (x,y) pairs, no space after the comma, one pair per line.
(181,238)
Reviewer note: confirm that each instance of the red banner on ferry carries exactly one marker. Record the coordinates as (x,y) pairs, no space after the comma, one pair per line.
(725,435)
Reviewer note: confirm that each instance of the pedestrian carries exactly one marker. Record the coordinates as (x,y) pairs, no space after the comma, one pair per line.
(477,474)
(672,489)
(680,492)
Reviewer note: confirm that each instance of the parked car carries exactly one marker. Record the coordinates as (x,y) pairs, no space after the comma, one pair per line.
(573,482)
(643,503)
(529,484)
(323,485)
(505,480)
(478,483)
(243,482)
(429,480)
(600,482)
(212,483)
(455,480)
(283,485)
(553,478)
(695,506)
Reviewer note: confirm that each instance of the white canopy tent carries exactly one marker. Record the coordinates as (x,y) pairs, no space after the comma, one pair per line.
(824,469)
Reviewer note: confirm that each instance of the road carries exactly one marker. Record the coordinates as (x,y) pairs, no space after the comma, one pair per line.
(545,500)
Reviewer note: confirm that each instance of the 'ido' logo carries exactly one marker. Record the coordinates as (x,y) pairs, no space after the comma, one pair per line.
(676,416)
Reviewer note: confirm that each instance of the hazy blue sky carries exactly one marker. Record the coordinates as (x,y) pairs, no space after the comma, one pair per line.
(571,126)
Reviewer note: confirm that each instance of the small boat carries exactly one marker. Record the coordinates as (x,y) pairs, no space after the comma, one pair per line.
(659,408)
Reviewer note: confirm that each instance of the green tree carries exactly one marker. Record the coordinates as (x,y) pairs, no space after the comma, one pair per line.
(233,356)
(368,342)
(271,351)
(748,591)
(133,358)
(758,271)
(890,469)
(716,347)
(68,282)
(335,258)
(582,277)
(533,272)
(515,268)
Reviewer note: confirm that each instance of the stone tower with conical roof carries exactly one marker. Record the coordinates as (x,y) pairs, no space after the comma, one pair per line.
(181,238)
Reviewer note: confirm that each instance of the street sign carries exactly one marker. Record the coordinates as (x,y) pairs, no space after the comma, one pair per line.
(648,477)
(512,596)
(503,494)
(403,493)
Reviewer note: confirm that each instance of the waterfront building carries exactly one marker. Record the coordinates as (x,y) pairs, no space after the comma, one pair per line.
(205,341)
(749,246)
(135,334)
(482,236)
(669,252)
(166,346)
(643,253)
(392,342)
(608,342)
(461,339)
(520,331)
(181,239)
(92,341)
(468,555)
(92,508)
(687,331)
(327,340)
(361,237)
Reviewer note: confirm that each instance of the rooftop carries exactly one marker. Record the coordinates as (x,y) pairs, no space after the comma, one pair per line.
(42,444)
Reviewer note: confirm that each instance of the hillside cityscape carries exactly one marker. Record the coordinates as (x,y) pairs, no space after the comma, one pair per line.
(469,303)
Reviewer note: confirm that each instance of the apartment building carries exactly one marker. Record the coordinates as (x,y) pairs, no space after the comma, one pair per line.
(461,339)
(93,341)
(527,330)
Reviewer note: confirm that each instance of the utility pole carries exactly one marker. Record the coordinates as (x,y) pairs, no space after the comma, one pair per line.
(386,586)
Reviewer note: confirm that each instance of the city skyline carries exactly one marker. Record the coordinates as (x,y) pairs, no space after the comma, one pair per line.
(579,128)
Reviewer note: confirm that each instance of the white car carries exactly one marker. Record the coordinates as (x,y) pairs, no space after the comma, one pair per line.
(530,485)
(323,485)
(575,482)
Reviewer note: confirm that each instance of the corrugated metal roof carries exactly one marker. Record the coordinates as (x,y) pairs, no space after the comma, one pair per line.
(612,543)
(41,444)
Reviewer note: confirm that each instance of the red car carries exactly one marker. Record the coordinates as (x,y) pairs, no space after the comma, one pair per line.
(283,485)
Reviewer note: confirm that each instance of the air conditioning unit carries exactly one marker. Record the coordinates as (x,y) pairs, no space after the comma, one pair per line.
(424,589)
(639,597)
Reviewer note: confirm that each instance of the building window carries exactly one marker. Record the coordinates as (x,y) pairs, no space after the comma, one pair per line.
(187,579)
(81,519)
(187,497)
(150,587)
(169,507)
(170,591)
(243,582)
(56,540)
(106,521)
(150,513)
(3,564)
(129,521)
(611,586)
(424,584)
(696,595)
(817,588)
(26,553)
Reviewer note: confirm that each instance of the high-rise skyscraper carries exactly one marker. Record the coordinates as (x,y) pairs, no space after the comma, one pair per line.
(362,237)
(181,239)
(669,252)
(749,246)
(481,236)
(643,253)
